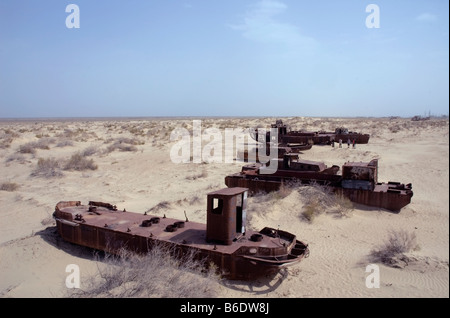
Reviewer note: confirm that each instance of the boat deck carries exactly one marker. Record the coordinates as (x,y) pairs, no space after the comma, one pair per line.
(191,234)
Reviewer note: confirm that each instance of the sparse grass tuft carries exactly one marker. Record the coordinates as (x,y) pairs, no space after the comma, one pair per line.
(284,191)
(30,147)
(6,138)
(79,163)
(342,205)
(316,200)
(123,144)
(64,143)
(9,186)
(200,175)
(89,151)
(27,148)
(41,135)
(47,168)
(395,129)
(16,157)
(137,131)
(319,199)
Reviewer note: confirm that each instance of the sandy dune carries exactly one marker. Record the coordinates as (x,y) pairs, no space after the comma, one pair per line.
(134,171)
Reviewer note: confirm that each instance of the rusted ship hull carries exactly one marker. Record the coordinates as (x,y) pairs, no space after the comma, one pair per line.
(319,138)
(382,196)
(269,183)
(388,199)
(358,181)
(253,156)
(247,258)
(306,137)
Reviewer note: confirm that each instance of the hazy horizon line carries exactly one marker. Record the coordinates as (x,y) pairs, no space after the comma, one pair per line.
(104,118)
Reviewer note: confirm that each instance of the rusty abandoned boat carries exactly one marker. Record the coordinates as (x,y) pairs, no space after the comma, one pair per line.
(287,136)
(238,253)
(358,181)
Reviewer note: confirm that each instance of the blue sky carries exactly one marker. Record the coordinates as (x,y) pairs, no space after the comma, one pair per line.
(223,58)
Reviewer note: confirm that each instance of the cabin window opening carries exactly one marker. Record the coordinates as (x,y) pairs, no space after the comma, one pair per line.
(241,213)
(217,205)
(239,201)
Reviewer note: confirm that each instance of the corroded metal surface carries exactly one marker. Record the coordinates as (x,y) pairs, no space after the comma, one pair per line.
(239,253)
(253,154)
(391,195)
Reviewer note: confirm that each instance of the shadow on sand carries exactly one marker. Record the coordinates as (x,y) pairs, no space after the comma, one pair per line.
(51,236)
(260,286)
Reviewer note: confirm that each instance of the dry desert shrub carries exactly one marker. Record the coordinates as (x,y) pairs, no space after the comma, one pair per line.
(27,148)
(77,135)
(10,132)
(16,157)
(156,274)
(153,132)
(9,186)
(392,251)
(395,129)
(136,130)
(318,199)
(64,143)
(47,168)
(30,147)
(6,138)
(52,167)
(342,205)
(79,163)
(123,144)
(89,151)
(41,135)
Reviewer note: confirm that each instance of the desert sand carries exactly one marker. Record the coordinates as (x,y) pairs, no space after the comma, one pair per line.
(130,166)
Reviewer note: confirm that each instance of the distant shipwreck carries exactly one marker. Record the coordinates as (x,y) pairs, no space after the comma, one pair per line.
(286,136)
